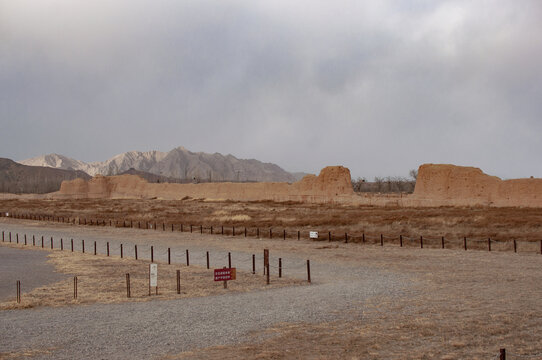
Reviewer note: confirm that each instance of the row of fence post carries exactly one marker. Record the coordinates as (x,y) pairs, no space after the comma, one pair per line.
(284,232)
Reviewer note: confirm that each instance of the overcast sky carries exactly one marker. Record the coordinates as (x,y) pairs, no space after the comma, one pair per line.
(378,86)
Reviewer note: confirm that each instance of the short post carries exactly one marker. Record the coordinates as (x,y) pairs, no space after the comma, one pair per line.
(267,280)
(442,240)
(83,246)
(168,256)
(135,251)
(171,227)
(207,255)
(229,260)
(152,254)
(178,281)
(345,238)
(10,237)
(41,241)
(17,237)
(190,228)
(127,285)
(95,252)
(51,241)
(3,237)
(61,244)
(163,227)
(233,231)
(308,270)
(363,237)
(18,291)
(33,240)
(201,229)
(121,252)
(329,236)
(465,243)
(225,282)
(298,235)
(515,246)
(258,233)
(270,233)
(280,267)
(182,230)
(541,247)
(222,229)
(488,244)
(400,240)
(187,258)
(70,241)
(381,240)
(25,239)
(502,354)
(108,248)
(253,264)
(421,242)
(284,234)
(155,226)
(75,287)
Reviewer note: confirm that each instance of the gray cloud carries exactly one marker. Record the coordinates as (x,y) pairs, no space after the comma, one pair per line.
(380,87)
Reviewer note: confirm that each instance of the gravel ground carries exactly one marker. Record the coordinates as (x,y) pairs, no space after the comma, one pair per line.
(30,267)
(157,328)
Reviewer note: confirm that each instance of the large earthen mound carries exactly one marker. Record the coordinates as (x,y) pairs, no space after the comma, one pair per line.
(440,184)
(333,184)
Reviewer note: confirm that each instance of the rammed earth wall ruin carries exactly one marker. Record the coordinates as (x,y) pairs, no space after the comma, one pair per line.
(437,185)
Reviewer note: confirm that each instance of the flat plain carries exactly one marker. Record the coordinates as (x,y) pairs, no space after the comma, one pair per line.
(365,301)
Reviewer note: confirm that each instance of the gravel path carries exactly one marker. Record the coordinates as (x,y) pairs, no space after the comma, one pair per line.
(157,328)
(30,267)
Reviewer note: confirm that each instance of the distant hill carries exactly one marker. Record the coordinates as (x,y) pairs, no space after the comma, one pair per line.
(178,163)
(18,179)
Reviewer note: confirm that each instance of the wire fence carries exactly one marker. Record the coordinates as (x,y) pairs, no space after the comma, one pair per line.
(272,233)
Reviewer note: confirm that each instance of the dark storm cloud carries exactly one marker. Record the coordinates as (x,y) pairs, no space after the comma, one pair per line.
(380,87)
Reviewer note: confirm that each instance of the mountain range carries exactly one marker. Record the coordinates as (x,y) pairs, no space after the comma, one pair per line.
(178,163)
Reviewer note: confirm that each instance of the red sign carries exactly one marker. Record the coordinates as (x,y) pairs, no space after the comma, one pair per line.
(225,274)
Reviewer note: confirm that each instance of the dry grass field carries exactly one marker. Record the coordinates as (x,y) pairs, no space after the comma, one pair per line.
(102,279)
(450,222)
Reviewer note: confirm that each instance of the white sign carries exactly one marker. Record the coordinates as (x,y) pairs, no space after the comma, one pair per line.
(153,274)
(7,214)
(313,234)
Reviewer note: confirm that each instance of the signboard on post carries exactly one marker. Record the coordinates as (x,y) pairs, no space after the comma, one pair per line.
(225,274)
(313,234)
(153,277)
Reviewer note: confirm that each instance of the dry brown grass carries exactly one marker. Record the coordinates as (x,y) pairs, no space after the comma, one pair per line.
(452,223)
(102,279)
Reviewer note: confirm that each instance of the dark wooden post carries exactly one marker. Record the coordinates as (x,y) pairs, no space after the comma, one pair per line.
(222,230)
(258,233)
(155,226)
(502,355)
(83,246)
(51,241)
(363,237)
(169,256)
(284,234)
(421,242)
(61,243)
(442,241)
(18,291)
(298,235)
(71,241)
(280,267)
(309,271)
(108,248)
(201,229)
(270,233)
(488,244)
(245,231)
(190,228)
(401,240)
(42,242)
(381,240)
(233,230)
(127,285)
(171,227)
(33,240)
(515,246)
(207,255)
(121,252)
(135,251)
(329,236)
(253,264)
(17,237)
(465,243)
(152,253)
(94,247)
(75,287)
(229,260)
(25,239)
(345,238)
(187,258)
(178,281)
